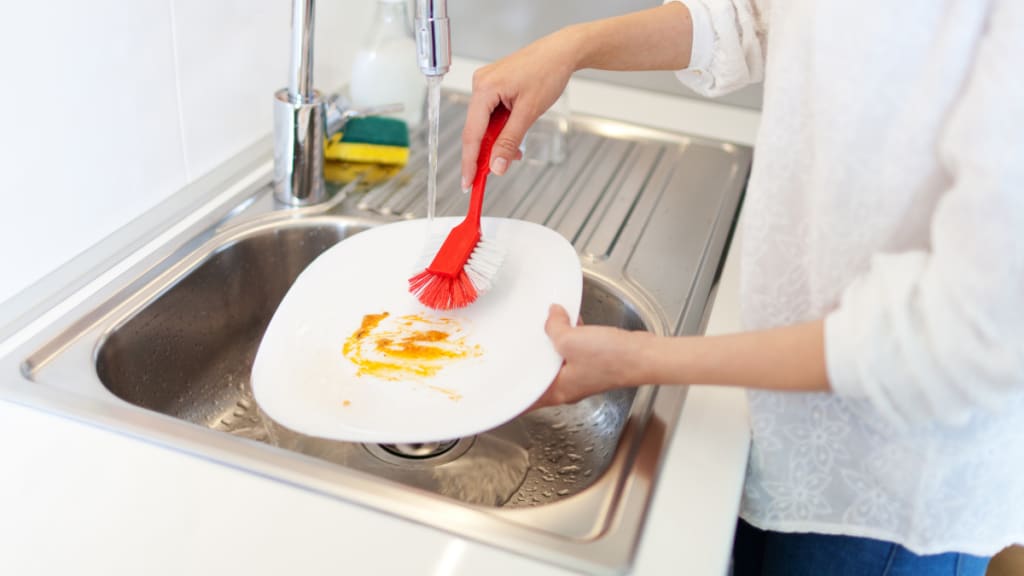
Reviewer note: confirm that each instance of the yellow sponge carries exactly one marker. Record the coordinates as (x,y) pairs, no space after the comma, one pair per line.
(360,152)
(375,139)
(371,173)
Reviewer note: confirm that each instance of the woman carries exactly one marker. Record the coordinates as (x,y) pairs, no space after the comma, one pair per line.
(882,268)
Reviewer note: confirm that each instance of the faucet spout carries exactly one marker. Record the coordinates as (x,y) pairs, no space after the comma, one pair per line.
(300,77)
(433,37)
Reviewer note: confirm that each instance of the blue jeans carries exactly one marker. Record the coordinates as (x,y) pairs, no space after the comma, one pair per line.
(766,553)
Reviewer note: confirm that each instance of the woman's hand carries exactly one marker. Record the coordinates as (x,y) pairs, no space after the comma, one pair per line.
(527,82)
(597,359)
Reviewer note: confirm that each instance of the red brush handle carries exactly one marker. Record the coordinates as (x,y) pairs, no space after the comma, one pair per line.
(499,117)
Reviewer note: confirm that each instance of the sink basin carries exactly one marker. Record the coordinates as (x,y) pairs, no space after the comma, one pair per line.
(159,337)
(188,354)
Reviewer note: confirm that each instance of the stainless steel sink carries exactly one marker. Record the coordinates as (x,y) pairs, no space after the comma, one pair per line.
(160,346)
(189,352)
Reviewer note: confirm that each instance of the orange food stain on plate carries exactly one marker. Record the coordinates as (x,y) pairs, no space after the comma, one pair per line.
(408,347)
(451,394)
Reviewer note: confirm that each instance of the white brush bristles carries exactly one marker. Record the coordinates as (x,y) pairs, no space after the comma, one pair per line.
(484,263)
(431,247)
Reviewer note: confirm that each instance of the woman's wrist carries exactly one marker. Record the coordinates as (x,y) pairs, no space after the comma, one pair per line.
(577,46)
(645,358)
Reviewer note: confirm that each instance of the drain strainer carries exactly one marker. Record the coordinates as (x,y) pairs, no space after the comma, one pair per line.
(424,450)
(422,454)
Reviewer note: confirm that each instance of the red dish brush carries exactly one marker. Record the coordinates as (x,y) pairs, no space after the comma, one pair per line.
(466,263)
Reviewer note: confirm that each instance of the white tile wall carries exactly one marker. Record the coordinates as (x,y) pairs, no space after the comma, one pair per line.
(231,57)
(109,106)
(89,133)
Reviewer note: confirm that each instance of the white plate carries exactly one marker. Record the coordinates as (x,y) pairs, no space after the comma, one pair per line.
(302,379)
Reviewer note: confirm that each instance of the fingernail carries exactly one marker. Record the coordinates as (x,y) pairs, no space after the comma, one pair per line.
(465,184)
(499,165)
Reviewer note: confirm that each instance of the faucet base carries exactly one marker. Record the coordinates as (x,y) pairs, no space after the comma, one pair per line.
(299,132)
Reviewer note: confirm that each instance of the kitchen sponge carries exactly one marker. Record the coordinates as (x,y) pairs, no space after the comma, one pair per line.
(373,139)
(367,172)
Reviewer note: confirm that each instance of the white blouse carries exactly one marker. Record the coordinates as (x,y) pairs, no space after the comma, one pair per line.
(887,196)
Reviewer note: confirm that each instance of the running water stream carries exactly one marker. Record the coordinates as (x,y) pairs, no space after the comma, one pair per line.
(433,114)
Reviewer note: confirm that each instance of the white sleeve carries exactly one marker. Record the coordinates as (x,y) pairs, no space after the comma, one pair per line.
(932,336)
(728,46)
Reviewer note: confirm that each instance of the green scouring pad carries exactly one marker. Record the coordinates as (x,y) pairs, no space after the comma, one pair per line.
(374,139)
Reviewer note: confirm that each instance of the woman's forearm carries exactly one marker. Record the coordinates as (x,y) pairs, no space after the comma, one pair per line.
(788,358)
(654,39)
(599,358)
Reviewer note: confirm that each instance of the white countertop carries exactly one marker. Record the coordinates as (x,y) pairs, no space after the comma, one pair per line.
(77,499)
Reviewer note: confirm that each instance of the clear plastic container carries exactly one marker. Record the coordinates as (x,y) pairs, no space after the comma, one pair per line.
(385,70)
(547,141)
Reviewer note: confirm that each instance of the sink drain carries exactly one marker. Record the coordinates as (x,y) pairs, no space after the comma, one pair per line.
(424,450)
(420,454)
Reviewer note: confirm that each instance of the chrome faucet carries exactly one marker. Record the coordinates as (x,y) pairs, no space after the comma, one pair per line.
(301,112)
(300,120)
(433,37)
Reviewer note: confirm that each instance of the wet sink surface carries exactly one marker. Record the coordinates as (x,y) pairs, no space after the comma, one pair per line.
(189,353)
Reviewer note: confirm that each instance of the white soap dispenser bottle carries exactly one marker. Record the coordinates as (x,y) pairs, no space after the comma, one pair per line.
(385,70)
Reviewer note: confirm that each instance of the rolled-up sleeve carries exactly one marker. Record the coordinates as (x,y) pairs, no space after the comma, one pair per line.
(936,335)
(728,46)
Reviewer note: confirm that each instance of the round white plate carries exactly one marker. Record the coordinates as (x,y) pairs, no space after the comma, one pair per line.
(302,379)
